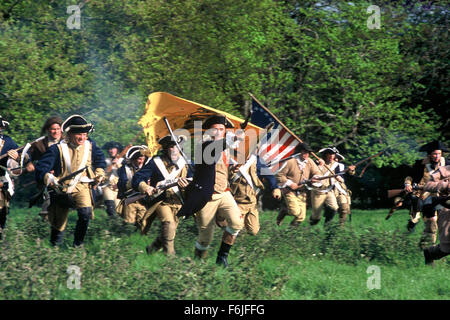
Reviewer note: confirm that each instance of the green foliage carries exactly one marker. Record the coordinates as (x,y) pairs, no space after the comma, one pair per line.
(279,263)
(315,64)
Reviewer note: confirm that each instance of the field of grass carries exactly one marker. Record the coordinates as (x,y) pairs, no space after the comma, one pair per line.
(280,263)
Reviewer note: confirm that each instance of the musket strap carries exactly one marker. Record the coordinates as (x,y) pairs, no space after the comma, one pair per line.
(245,169)
(431,169)
(172,175)
(128,172)
(334,181)
(67,161)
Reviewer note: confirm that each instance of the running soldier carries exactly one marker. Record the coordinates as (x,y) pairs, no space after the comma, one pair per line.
(291,177)
(135,159)
(76,152)
(209,196)
(8,161)
(109,187)
(245,191)
(439,184)
(52,131)
(421,201)
(332,193)
(169,167)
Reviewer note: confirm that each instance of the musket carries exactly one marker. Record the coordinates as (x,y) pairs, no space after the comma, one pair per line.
(394,208)
(27,146)
(34,199)
(356,164)
(8,170)
(369,158)
(177,144)
(135,196)
(309,181)
(397,192)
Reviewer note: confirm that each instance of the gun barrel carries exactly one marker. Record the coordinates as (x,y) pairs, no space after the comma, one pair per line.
(394,193)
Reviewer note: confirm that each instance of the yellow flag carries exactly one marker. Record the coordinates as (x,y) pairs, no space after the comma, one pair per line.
(180,113)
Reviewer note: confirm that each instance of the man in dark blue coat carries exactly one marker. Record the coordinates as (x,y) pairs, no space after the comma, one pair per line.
(135,160)
(9,159)
(166,167)
(209,196)
(74,152)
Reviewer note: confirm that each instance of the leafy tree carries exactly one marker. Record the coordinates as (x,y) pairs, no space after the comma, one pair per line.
(314,63)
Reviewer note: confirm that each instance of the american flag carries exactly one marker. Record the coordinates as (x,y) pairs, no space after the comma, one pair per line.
(279,143)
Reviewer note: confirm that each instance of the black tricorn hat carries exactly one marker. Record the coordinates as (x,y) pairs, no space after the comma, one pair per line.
(167,141)
(49,122)
(332,150)
(77,124)
(136,152)
(434,145)
(113,144)
(302,147)
(217,119)
(3,123)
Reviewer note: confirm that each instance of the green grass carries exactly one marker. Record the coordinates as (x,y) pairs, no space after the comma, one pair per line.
(279,263)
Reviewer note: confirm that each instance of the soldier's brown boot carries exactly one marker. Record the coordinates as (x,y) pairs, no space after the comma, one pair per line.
(3,214)
(200,254)
(168,236)
(281,216)
(222,255)
(329,215)
(433,253)
(44,215)
(411,226)
(155,246)
(295,223)
(227,242)
(344,210)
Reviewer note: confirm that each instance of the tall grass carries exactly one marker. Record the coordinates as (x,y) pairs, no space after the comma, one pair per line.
(279,263)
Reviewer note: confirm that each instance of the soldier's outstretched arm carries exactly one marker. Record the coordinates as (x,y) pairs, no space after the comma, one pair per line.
(140,178)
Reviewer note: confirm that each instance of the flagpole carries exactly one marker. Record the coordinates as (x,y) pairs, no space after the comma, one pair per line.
(281,123)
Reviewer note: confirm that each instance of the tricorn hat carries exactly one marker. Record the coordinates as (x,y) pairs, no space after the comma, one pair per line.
(167,141)
(302,147)
(77,124)
(333,150)
(136,152)
(49,122)
(434,145)
(3,122)
(113,144)
(217,119)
